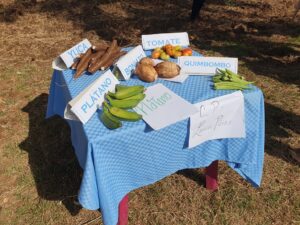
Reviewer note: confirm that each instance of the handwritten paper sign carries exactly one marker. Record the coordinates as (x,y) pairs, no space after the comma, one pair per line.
(152,41)
(66,59)
(221,117)
(161,107)
(128,62)
(86,103)
(197,65)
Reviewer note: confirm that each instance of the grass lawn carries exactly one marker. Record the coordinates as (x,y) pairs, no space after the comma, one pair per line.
(39,173)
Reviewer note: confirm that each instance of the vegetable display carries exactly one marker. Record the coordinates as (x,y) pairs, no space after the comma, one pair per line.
(97,58)
(168,51)
(114,108)
(228,80)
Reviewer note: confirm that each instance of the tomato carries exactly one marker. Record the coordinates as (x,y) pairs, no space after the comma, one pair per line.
(168,46)
(170,52)
(155,54)
(187,52)
(177,54)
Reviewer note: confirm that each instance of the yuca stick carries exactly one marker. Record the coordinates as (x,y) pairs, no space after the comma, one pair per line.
(112,59)
(99,63)
(96,55)
(97,48)
(83,64)
(76,62)
(114,52)
(96,60)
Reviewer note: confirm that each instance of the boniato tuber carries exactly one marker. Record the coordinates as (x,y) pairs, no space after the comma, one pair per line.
(167,69)
(146,72)
(147,60)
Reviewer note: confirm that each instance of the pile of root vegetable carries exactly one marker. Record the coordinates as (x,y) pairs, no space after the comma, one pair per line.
(148,72)
(96,58)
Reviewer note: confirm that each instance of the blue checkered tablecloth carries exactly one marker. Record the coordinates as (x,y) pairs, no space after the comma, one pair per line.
(115,162)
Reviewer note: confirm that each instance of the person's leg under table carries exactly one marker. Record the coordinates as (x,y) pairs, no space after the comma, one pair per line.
(197,5)
(211,176)
(123,211)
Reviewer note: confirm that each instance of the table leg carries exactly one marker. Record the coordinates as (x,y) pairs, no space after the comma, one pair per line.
(123,211)
(211,175)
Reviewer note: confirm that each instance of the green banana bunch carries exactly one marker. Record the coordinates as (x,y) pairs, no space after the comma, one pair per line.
(119,87)
(108,119)
(127,103)
(125,97)
(127,92)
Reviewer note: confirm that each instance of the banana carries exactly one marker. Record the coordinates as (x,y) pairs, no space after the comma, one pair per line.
(124,114)
(120,87)
(139,96)
(108,119)
(123,104)
(111,94)
(127,92)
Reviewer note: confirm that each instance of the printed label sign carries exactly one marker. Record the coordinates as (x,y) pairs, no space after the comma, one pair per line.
(197,65)
(66,59)
(161,107)
(128,62)
(152,41)
(87,102)
(221,117)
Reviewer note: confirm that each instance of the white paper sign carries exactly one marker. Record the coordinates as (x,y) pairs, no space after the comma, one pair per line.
(161,107)
(128,62)
(152,41)
(197,65)
(221,117)
(66,59)
(86,103)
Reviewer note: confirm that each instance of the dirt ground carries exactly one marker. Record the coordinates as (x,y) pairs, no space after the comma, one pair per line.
(39,174)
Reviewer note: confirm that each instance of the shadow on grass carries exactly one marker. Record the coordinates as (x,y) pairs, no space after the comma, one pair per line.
(193,175)
(52,160)
(278,121)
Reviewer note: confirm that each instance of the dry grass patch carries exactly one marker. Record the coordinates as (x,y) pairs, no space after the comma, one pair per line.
(38,169)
